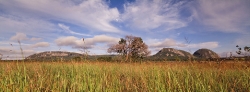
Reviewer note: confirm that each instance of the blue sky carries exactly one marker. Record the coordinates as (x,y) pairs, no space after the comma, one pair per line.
(44,25)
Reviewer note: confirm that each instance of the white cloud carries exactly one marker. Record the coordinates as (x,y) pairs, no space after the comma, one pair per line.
(166,43)
(91,14)
(66,41)
(102,39)
(5,50)
(40,44)
(88,42)
(148,15)
(35,39)
(223,15)
(19,37)
(14,53)
(23,36)
(66,28)
(209,45)
(9,51)
(157,44)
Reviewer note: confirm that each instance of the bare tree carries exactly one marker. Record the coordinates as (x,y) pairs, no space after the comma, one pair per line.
(246,49)
(1,56)
(188,43)
(131,47)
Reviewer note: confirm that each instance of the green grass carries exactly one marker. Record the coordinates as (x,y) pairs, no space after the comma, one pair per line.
(113,77)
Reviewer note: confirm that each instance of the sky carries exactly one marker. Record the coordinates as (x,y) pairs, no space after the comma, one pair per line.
(61,25)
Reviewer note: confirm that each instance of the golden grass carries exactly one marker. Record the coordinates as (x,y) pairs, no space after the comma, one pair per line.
(113,77)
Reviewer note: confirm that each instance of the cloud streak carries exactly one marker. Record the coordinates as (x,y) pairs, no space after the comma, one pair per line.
(95,15)
(30,26)
(223,15)
(66,28)
(149,15)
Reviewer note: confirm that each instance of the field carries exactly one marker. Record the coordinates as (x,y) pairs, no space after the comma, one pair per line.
(132,77)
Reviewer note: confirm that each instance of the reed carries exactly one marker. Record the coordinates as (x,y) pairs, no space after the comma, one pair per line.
(113,77)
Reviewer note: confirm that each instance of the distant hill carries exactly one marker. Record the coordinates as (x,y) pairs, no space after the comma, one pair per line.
(165,54)
(205,53)
(171,54)
(49,54)
(63,55)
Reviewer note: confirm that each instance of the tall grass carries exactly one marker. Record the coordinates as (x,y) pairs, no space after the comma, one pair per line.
(143,77)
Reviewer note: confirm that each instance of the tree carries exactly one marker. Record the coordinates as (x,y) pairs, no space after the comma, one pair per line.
(131,47)
(246,49)
(1,56)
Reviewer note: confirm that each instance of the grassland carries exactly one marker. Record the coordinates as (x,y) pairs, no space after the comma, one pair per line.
(113,77)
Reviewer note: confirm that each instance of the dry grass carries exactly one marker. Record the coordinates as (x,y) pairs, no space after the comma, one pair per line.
(143,77)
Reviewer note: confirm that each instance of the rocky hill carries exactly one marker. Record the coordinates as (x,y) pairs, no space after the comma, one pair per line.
(165,54)
(171,54)
(205,53)
(48,54)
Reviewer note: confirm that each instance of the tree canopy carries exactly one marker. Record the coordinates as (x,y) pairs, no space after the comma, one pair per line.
(131,47)
(246,49)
